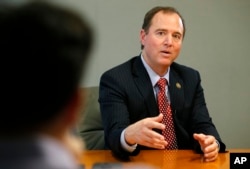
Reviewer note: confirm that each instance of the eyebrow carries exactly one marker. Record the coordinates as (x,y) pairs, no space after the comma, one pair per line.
(165,30)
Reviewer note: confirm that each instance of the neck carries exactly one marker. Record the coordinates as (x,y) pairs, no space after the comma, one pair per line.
(160,70)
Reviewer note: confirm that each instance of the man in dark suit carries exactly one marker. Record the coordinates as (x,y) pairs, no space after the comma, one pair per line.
(128,94)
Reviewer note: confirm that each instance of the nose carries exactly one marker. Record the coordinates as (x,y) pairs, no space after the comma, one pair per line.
(168,40)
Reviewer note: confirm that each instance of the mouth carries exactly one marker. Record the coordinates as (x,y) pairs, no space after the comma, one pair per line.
(166,52)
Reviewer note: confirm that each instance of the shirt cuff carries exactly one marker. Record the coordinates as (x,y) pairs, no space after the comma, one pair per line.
(218,144)
(125,146)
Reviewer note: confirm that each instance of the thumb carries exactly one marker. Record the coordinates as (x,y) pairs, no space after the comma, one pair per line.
(199,137)
(158,118)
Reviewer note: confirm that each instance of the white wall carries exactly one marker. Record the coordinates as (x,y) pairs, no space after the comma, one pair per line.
(216,44)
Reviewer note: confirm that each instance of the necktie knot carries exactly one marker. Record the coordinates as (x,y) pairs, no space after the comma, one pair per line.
(162,83)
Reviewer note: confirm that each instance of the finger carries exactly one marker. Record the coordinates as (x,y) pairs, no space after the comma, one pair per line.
(209,140)
(153,142)
(212,153)
(211,156)
(148,135)
(154,135)
(152,124)
(156,144)
(211,146)
(211,150)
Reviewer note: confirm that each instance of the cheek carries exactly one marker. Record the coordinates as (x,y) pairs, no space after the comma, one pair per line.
(154,44)
(149,44)
(177,48)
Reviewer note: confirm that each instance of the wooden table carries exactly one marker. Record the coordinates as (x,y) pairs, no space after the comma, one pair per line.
(156,159)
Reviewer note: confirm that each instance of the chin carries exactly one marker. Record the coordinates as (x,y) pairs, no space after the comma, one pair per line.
(165,63)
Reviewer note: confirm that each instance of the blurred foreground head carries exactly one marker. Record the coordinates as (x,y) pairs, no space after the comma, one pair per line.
(43,49)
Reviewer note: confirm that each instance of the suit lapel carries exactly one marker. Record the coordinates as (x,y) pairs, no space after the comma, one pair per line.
(144,86)
(176,90)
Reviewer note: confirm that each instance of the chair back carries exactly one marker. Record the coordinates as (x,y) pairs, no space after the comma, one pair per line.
(90,125)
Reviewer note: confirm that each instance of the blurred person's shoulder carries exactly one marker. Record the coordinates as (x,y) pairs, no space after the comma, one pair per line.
(39,153)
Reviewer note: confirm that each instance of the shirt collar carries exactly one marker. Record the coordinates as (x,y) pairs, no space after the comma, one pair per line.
(154,77)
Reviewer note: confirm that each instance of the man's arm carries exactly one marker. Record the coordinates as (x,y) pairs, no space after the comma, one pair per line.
(114,113)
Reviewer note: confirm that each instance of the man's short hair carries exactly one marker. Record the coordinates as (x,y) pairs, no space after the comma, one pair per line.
(43,50)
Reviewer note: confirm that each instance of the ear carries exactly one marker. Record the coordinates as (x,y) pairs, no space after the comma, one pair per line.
(72,110)
(142,36)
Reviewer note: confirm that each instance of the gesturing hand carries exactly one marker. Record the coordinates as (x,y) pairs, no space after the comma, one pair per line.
(141,133)
(208,145)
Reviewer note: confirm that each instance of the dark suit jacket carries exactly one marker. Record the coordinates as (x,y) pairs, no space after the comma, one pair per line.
(126,95)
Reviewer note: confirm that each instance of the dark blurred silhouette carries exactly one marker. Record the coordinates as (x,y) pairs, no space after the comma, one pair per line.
(44,49)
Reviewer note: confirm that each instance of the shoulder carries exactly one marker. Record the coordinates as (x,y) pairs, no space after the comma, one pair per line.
(184,71)
(123,68)
(182,68)
(29,152)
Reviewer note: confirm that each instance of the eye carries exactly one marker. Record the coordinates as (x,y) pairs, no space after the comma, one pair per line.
(160,33)
(177,36)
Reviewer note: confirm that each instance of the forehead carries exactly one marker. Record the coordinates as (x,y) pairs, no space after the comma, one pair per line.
(167,20)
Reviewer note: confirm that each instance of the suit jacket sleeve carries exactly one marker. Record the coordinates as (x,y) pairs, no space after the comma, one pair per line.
(114,109)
